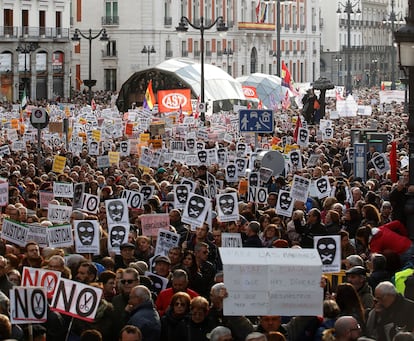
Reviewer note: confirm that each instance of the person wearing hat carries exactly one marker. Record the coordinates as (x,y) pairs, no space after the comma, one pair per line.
(357,276)
(127,256)
(162,266)
(252,234)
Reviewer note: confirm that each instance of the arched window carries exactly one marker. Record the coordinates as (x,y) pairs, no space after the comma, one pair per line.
(253,60)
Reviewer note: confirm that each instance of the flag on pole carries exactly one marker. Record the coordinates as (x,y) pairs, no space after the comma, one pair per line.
(149,99)
(24,99)
(180,115)
(257,11)
(264,14)
(286,101)
(286,79)
(297,126)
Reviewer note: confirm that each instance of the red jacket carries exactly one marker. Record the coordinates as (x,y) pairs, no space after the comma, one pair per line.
(165,296)
(391,236)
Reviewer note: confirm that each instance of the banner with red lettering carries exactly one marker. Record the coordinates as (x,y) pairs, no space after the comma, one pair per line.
(170,100)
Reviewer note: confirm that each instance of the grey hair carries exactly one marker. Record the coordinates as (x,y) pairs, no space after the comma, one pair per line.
(386,288)
(256,335)
(218,332)
(142,292)
(215,289)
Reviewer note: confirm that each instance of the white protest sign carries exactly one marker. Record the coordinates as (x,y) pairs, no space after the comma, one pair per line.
(147,192)
(28,305)
(62,190)
(60,236)
(102,161)
(151,223)
(90,203)
(76,299)
(300,188)
(86,236)
(329,249)
(195,211)
(165,241)
(160,283)
(34,277)
(227,207)
(284,204)
(134,199)
(118,234)
(272,281)
(181,193)
(381,164)
(116,211)
(321,187)
(37,233)
(59,213)
(257,194)
(231,240)
(4,193)
(14,232)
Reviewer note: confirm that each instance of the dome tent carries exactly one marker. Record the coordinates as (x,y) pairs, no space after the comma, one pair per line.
(220,88)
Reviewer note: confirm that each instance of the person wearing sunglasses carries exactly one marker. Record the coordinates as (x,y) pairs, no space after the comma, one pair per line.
(129,279)
(177,311)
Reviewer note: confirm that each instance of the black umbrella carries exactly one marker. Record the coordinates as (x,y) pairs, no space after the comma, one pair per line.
(322,84)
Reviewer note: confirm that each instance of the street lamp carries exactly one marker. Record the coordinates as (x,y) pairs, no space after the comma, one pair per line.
(338,60)
(76,39)
(26,48)
(148,50)
(183,27)
(392,19)
(348,9)
(405,40)
(374,73)
(229,53)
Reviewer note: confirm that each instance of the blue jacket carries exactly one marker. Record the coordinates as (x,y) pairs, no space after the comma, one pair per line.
(146,318)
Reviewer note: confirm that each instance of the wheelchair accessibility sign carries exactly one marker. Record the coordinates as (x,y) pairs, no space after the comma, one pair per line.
(256,121)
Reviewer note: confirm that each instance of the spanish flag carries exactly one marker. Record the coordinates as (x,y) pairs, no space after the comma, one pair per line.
(149,99)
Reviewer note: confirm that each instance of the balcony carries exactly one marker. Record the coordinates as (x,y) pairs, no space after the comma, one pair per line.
(184,53)
(252,26)
(109,54)
(295,27)
(110,20)
(287,27)
(219,53)
(34,32)
(302,28)
(287,52)
(208,53)
(295,52)
(169,53)
(197,53)
(313,28)
(167,21)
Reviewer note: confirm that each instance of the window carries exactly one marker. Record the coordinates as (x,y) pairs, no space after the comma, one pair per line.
(58,23)
(110,79)
(8,21)
(111,8)
(42,22)
(25,21)
(111,49)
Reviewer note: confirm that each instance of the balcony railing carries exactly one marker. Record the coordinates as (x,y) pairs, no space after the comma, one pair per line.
(167,21)
(219,53)
(184,53)
(169,53)
(287,27)
(34,32)
(287,52)
(111,54)
(110,20)
(208,53)
(302,28)
(197,53)
(295,27)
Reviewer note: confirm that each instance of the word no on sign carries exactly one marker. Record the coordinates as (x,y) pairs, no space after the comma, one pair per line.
(256,121)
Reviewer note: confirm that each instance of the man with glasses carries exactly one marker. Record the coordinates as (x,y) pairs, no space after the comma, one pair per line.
(392,313)
(207,269)
(130,279)
(347,329)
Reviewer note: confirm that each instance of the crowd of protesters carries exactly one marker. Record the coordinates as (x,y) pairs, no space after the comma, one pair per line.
(371,297)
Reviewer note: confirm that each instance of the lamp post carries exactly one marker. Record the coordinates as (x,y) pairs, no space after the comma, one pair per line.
(182,28)
(348,9)
(229,53)
(148,50)
(76,39)
(374,73)
(338,60)
(26,48)
(405,40)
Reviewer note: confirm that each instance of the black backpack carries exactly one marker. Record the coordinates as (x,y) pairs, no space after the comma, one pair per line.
(409,287)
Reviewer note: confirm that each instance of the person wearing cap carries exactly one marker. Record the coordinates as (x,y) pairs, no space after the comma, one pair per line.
(392,313)
(357,276)
(179,283)
(252,235)
(162,266)
(127,256)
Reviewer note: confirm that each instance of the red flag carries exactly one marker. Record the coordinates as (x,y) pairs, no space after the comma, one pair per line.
(382,86)
(181,115)
(260,105)
(257,11)
(286,101)
(285,75)
(393,161)
(297,126)
(338,96)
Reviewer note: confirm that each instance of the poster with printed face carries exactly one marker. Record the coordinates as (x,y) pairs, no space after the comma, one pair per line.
(93,148)
(313,160)
(328,133)
(222,156)
(165,241)
(62,189)
(211,186)
(59,213)
(241,164)
(60,236)
(146,157)
(300,188)
(195,211)
(329,249)
(116,211)
(202,156)
(231,172)
(181,193)
(253,179)
(241,149)
(303,137)
(124,148)
(381,164)
(90,203)
(295,160)
(227,207)
(231,240)
(147,192)
(4,193)
(322,187)
(78,190)
(160,283)
(86,236)
(190,144)
(192,185)
(102,161)
(284,204)
(350,154)
(118,234)
(265,174)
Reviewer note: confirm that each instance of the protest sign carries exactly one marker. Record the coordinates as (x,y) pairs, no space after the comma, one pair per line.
(78,190)
(300,188)
(59,213)
(151,223)
(86,236)
(14,232)
(284,204)
(272,281)
(103,161)
(4,193)
(160,283)
(62,189)
(118,234)
(60,236)
(37,233)
(381,164)
(227,207)
(165,241)
(134,199)
(59,163)
(329,249)
(231,240)
(76,299)
(28,305)
(195,210)
(34,277)
(116,211)
(90,203)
